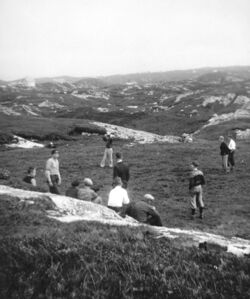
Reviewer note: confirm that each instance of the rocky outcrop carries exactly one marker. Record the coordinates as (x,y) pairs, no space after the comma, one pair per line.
(136,135)
(66,209)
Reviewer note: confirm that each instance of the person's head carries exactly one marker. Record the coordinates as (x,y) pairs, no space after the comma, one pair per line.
(55,154)
(118,156)
(148,198)
(87,182)
(32,171)
(221,138)
(75,183)
(117,181)
(194,165)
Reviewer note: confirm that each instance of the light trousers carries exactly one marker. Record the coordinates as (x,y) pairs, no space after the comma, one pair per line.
(107,156)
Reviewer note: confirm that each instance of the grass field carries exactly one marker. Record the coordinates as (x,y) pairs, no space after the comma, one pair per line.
(42,258)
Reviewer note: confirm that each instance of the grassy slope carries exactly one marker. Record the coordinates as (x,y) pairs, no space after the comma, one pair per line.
(158,169)
(42,258)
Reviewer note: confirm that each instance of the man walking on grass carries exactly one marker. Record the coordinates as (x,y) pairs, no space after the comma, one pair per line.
(108,152)
(52,172)
(121,170)
(196,181)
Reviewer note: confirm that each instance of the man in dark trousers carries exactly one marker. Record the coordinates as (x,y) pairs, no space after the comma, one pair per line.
(121,170)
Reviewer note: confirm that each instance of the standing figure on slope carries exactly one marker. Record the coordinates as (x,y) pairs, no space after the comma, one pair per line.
(196,181)
(108,152)
(52,172)
(224,152)
(232,148)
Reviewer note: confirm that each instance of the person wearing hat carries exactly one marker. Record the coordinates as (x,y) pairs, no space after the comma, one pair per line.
(87,193)
(144,212)
(73,190)
(121,170)
(108,152)
(118,197)
(52,172)
(196,181)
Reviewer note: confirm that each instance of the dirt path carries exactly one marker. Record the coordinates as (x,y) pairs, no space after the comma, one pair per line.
(68,209)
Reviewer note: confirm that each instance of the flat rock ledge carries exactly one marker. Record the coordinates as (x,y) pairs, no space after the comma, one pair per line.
(67,209)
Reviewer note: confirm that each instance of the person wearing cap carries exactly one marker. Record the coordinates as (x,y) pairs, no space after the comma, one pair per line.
(87,193)
(121,170)
(52,172)
(118,197)
(196,181)
(144,212)
(232,147)
(224,152)
(108,152)
(73,190)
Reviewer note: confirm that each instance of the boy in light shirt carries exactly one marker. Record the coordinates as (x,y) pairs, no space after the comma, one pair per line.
(52,172)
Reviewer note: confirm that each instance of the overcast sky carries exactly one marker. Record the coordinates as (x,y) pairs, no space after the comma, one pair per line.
(102,37)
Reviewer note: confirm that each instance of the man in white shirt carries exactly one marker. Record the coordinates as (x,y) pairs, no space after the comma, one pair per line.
(52,172)
(232,148)
(118,197)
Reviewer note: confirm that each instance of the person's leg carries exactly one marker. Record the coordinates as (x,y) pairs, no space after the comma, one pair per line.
(200,203)
(231,160)
(104,158)
(225,162)
(110,157)
(193,204)
(54,188)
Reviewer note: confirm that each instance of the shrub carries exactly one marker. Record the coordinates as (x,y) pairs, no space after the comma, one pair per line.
(6,138)
(88,128)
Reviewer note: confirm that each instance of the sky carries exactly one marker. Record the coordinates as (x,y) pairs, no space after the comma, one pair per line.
(46,38)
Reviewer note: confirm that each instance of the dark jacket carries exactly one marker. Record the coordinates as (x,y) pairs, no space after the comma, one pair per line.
(121,170)
(143,212)
(108,140)
(196,179)
(224,150)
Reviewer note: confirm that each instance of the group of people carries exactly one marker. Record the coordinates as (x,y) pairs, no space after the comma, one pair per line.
(227,150)
(118,199)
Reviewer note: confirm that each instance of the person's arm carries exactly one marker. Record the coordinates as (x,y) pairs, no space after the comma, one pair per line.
(47,173)
(59,176)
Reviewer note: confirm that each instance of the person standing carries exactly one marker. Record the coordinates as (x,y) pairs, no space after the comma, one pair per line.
(52,172)
(196,181)
(121,170)
(118,197)
(224,152)
(108,152)
(232,148)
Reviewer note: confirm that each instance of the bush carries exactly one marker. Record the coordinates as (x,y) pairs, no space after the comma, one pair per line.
(88,128)
(6,138)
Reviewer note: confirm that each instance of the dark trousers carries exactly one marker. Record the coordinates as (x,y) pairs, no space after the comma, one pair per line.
(231,159)
(116,209)
(54,188)
(154,220)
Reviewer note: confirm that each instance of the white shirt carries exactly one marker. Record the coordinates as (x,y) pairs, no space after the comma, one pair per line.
(118,197)
(52,166)
(232,145)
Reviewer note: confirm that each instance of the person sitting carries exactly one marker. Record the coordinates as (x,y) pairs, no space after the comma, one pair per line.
(73,190)
(118,196)
(87,193)
(143,212)
(30,177)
